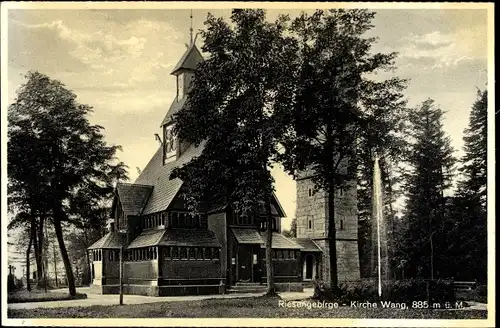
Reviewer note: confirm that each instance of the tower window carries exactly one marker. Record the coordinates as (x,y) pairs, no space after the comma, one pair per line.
(310,224)
(341,224)
(310,192)
(341,191)
(180,87)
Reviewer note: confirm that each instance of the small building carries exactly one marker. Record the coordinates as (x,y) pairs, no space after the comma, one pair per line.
(168,251)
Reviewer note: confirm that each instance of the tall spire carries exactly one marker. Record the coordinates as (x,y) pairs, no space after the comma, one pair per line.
(191,28)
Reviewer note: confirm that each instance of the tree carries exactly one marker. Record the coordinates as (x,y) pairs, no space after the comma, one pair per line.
(431,164)
(336,104)
(292,233)
(474,163)
(235,106)
(466,212)
(54,150)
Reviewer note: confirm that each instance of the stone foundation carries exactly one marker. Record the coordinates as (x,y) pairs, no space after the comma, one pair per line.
(148,290)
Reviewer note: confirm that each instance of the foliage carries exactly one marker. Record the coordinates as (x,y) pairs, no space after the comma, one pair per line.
(337,106)
(430,174)
(234,108)
(474,163)
(467,231)
(53,154)
(398,291)
(292,233)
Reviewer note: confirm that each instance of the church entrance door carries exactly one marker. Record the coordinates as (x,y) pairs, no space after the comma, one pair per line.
(309,266)
(245,262)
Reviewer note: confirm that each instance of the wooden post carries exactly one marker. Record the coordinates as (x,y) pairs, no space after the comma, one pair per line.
(121,275)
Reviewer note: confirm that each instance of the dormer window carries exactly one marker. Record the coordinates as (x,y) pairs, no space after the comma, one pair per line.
(169,144)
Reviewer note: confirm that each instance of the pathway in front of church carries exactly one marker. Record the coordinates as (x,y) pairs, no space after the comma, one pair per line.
(95,299)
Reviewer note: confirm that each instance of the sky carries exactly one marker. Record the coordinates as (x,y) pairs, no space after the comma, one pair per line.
(119,62)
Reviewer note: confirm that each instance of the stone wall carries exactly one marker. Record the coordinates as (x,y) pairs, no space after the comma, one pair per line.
(312,222)
(347,260)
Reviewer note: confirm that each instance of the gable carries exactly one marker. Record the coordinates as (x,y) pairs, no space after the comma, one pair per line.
(133,197)
(189,60)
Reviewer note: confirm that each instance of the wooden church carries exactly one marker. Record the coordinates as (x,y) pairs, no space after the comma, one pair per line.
(169,252)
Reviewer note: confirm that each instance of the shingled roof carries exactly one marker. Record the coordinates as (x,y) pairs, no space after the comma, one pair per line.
(158,175)
(175,107)
(189,237)
(189,60)
(112,240)
(279,241)
(175,237)
(308,245)
(247,236)
(133,197)
(147,238)
(252,236)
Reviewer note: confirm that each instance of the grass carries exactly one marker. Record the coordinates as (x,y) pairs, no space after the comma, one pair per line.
(259,307)
(36,295)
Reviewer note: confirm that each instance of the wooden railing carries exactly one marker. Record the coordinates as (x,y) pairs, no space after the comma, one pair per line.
(464,285)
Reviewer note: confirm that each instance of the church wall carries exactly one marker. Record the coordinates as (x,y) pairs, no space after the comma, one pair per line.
(285,270)
(138,271)
(111,272)
(191,269)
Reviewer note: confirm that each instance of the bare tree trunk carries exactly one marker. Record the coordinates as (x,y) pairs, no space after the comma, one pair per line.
(87,257)
(58,214)
(41,239)
(28,253)
(271,288)
(34,238)
(55,262)
(332,237)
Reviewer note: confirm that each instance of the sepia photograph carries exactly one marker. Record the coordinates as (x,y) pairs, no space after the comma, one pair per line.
(248,164)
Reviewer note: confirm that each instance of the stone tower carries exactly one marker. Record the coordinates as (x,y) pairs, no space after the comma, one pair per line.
(312,223)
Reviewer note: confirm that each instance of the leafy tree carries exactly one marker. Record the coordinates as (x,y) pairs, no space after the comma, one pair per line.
(336,105)
(235,106)
(53,150)
(431,172)
(292,233)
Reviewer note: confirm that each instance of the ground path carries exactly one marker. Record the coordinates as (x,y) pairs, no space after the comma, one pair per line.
(96,299)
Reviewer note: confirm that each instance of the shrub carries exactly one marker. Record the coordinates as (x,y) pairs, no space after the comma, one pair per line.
(482,290)
(403,291)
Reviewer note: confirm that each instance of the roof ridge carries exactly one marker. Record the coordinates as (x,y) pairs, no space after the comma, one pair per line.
(135,184)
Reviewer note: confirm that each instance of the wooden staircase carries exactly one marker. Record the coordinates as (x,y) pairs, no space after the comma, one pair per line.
(247,288)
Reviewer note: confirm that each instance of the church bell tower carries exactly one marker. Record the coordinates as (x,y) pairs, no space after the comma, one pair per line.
(184,73)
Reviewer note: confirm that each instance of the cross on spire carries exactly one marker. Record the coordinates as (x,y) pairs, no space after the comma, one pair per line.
(191,28)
